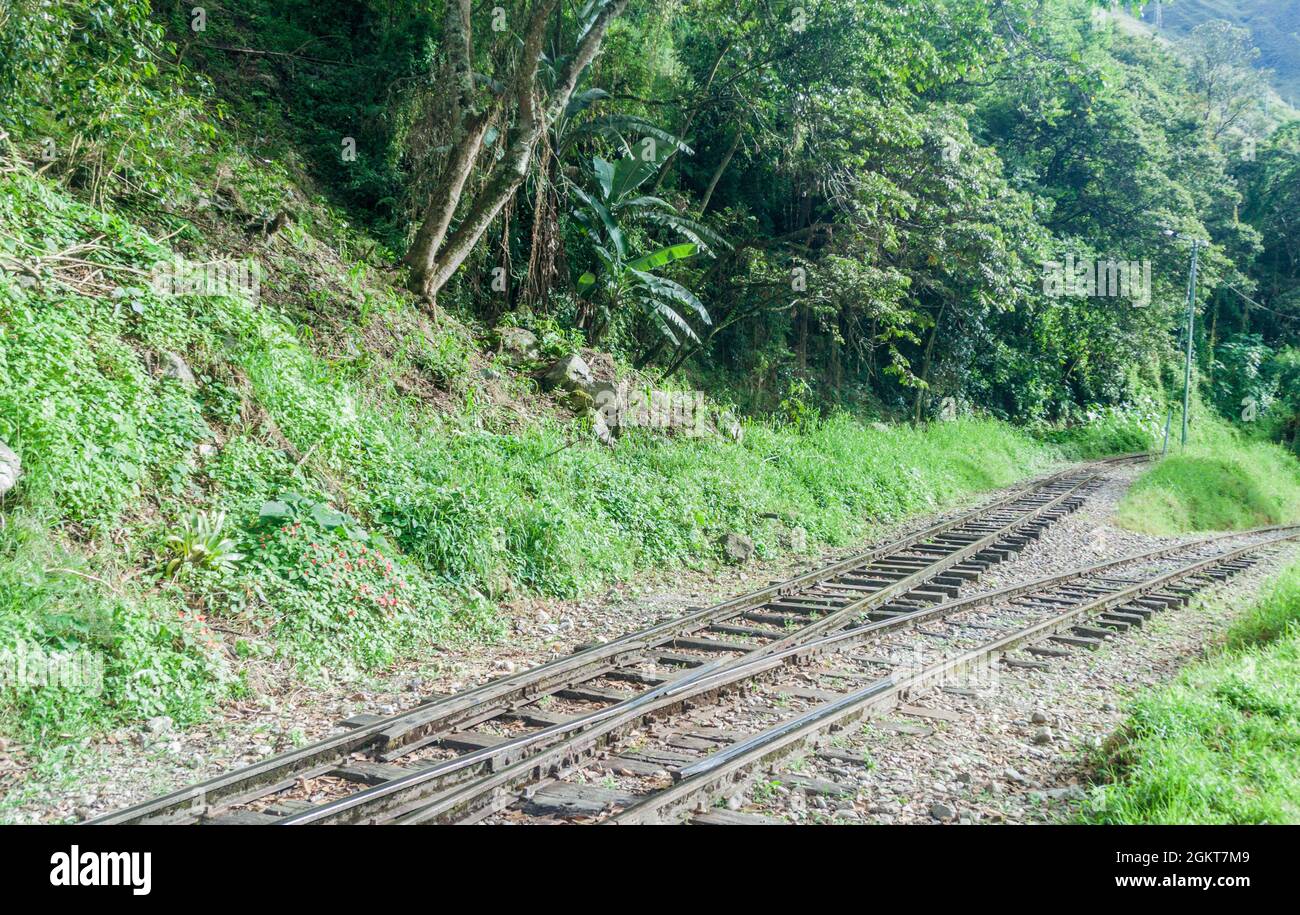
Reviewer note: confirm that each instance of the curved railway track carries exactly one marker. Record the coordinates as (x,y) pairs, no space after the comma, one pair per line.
(469,755)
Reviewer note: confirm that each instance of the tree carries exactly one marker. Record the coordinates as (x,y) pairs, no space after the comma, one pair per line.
(1224,75)
(515,106)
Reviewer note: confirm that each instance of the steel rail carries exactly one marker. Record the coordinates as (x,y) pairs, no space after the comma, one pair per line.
(699,780)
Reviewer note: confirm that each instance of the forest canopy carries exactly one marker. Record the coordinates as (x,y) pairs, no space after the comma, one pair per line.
(857,203)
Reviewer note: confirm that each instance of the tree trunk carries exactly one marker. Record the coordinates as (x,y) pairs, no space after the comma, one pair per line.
(717,175)
(925,366)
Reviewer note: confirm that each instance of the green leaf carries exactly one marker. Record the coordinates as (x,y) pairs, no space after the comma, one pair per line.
(657,259)
(327,517)
(629,174)
(604,174)
(584,100)
(275,510)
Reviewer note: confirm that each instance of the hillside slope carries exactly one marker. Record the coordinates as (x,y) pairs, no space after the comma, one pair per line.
(1274,26)
(312,471)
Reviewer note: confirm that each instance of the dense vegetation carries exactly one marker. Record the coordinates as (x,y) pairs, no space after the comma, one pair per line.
(824,213)
(1218,746)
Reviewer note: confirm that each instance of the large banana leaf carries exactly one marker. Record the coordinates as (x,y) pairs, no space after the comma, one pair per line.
(611,226)
(668,291)
(619,126)
(656,259)
(629,174)
(581,101)
(696,231)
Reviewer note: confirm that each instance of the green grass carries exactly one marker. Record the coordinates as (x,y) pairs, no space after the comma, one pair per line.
(1223,481)
(447,503)
(1222,744)
(1110,431)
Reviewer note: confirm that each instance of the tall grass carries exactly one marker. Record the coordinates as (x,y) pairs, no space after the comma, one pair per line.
(1220,744)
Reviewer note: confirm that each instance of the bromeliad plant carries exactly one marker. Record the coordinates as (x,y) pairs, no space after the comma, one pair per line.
(201,543)
(605,215)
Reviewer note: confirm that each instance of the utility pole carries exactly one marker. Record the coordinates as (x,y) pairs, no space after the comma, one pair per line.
(1191,321)
(1197,245)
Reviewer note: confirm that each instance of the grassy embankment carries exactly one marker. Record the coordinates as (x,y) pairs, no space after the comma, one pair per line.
(371,482)
(1223,481)
(1221,744)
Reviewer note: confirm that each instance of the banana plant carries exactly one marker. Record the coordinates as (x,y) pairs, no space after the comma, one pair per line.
(614,202)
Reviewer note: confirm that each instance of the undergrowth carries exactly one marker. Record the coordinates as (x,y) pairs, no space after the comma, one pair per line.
(1224,480)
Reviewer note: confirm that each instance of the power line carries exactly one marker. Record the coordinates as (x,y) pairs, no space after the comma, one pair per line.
(1274,311)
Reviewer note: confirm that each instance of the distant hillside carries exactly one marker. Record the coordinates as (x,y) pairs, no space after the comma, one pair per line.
(1274,25)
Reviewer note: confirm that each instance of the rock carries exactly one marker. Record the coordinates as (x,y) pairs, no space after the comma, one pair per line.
(1039,718)
(579,401)
(507,666)
(11,468)
(1042,736)
(738,547)
(571,373)
(735,802)
(159,725)
(729,426)
(601,428)
(942,812)
(519,344)
(207,449)
(798,539)
(173,366)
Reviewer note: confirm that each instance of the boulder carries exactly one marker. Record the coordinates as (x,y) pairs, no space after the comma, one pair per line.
(520,344)
(11,468)
(579,401)
(737,547)
(571,373)
(798,539)
(608,403)
(605,434)
(173,366)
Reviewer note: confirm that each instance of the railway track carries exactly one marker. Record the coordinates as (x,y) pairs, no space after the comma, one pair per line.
(663,757)
(406,766)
